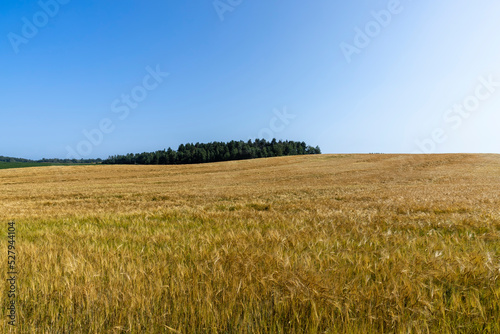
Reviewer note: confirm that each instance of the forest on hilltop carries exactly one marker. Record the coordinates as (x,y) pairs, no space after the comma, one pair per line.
(215,152)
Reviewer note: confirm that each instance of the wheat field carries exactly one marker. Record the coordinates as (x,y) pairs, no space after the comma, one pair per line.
(305,244)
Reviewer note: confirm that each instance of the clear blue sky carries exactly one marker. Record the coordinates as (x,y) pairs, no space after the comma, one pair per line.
(350,81)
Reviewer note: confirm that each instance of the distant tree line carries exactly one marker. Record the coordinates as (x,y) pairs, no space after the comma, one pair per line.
(71,161)
(216,151)
(9,159)
(54,161)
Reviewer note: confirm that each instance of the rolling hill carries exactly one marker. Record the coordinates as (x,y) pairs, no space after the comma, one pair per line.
(321,243)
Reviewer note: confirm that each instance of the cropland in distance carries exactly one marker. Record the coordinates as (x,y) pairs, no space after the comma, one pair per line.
(316,244)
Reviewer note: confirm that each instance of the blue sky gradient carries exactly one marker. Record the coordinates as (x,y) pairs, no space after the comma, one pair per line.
(232,71)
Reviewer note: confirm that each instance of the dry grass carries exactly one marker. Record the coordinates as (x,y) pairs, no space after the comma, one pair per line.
(314,244)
